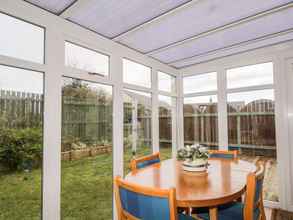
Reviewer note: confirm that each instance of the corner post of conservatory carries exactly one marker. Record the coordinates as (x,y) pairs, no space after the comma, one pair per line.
(222,110)
(155,111)
(180,117)
(54,63)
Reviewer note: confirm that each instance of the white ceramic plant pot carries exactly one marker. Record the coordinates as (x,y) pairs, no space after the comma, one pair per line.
(198,165)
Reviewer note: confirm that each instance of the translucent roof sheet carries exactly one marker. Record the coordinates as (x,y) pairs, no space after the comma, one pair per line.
(55,6)
(199,17)
(113,17)
(254,29)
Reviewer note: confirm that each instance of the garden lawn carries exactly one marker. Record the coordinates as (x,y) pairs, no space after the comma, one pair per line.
(86,190)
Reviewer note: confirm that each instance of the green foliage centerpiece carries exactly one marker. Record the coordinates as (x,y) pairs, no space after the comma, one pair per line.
(194,157)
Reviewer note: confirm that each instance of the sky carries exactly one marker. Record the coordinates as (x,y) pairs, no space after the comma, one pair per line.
(20,80)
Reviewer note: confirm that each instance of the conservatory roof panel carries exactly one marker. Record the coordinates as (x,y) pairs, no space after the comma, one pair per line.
(197,18)
(55,6)
(242,33)
(113,17)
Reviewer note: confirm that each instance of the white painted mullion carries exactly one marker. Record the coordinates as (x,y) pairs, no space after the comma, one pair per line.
(251,88)
(138,88)
(10,61)
(180,117)
(118,149)
(116,75)
(208,93)
(155,112)
(174,126)
(283,79)
(222,111)
(52,126)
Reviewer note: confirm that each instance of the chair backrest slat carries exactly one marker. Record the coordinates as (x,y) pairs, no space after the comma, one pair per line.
(223,154)
(141,203)
(145,161)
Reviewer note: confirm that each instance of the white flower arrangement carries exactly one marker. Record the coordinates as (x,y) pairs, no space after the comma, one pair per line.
(193,153)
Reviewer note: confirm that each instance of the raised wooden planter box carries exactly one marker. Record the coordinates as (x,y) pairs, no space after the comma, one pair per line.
(87,152)
(66,155)
(78,154)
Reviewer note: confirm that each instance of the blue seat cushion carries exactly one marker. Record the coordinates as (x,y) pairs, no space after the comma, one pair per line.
(231,211)
(147,163)
(184,217)
(223,156)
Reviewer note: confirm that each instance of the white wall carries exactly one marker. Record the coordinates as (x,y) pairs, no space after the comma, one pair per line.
(57,31)
(282,57)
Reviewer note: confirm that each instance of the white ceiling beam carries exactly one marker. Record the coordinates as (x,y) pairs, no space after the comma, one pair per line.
(156,19)
(75,7)
(221,28)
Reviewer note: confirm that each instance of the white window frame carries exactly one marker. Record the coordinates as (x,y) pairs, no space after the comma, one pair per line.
(54,68)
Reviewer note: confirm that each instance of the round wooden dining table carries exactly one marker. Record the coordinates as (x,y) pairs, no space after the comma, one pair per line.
(225,181)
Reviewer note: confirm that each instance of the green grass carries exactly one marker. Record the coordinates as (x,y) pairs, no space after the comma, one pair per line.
(86,189)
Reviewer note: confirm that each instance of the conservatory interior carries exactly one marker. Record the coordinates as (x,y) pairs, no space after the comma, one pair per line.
(165,109)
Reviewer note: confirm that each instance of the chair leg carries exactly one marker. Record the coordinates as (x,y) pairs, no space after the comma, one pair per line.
(262,212)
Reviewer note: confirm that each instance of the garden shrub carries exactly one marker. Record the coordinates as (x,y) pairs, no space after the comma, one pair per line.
(20,149)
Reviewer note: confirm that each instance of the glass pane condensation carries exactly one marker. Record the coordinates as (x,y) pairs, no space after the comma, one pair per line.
(136,74)
(85,59)
(200,83)
(201,121)
(137,125)
(254,75)
(166,107)
(21,143)
(20,39)
(86,150)
(166,82)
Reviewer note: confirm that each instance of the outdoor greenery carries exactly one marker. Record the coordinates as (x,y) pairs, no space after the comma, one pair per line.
(86,190)
(20,149)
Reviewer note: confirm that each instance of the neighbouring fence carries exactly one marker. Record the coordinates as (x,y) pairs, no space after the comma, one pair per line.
(20,110)
(249,126)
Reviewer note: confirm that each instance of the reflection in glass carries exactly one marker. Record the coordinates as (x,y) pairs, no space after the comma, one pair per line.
(166,82)
(253,75)
(21,39)
(251,130)
(201,121)
(137,125)
(21,143)
(166,107)
(200,83)
(86,59)
(86,150)
(136,74)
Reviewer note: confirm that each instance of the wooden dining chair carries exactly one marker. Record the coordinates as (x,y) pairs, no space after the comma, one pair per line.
(252,208)
(145,161)
(225,154)
(135,202)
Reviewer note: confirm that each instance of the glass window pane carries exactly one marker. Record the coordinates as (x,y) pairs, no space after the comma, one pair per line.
(200,83)
(201,121)
(85,59)
(166,82)
(251,130)
(21,39)
(86,150)
(166,107)
(253,75)
(137,125)
(21,143)
(136,74)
